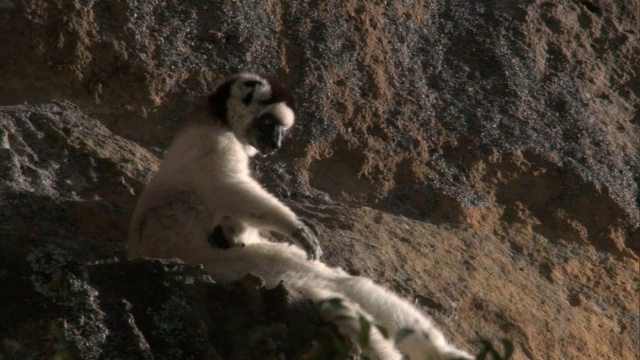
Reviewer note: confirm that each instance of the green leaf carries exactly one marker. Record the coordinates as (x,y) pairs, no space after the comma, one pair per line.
(508,348)
(330,304)
(344,317)
(365,330)
(383,331)
(402,334)
(336,302)
(487,348)
(338,344)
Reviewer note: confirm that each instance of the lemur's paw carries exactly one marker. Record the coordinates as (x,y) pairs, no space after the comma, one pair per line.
(306,235)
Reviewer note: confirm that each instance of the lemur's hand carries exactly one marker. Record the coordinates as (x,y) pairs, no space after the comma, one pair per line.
(306,236)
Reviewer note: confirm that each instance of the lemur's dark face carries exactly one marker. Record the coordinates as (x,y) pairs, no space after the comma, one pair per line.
(267,130)
(265,134)
(257,108)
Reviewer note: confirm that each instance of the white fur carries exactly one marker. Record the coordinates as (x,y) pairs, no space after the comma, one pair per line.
(205,176)
(283,112)
(204,179)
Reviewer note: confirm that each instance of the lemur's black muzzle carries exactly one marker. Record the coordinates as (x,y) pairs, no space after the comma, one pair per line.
(267,134)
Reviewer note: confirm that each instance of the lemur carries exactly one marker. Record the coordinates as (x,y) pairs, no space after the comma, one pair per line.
(204,185)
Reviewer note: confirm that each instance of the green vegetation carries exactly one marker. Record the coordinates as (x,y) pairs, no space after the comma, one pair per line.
(339,348)
(490,353)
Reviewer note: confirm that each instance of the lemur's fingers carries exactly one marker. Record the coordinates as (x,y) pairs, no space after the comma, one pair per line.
(306,238)
(310,224)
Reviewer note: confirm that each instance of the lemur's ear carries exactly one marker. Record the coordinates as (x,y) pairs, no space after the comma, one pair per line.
(218,101)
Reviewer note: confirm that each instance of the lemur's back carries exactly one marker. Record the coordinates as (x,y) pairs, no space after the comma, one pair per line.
(178,198)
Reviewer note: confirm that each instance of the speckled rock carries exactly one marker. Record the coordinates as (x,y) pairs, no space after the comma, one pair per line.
(147,309)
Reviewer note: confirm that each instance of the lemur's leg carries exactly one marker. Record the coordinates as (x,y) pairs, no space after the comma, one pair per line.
(424,340)
(277,262)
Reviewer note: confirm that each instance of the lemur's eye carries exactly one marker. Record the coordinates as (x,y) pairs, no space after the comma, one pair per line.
(251,83)
(267,121)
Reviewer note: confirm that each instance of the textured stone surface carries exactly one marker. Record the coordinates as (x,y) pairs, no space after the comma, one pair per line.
(148,309)
(480,158)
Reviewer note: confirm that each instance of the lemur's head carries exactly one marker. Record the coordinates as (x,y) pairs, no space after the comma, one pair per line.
(257,108)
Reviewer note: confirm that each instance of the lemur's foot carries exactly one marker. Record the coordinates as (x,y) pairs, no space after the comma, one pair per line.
(218,239)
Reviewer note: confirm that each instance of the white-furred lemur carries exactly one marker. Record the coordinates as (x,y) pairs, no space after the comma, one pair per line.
(204,190)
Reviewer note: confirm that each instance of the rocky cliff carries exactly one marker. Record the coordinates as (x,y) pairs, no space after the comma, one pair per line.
(480,158)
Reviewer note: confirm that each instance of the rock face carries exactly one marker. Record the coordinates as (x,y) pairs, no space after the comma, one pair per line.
(481,158)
